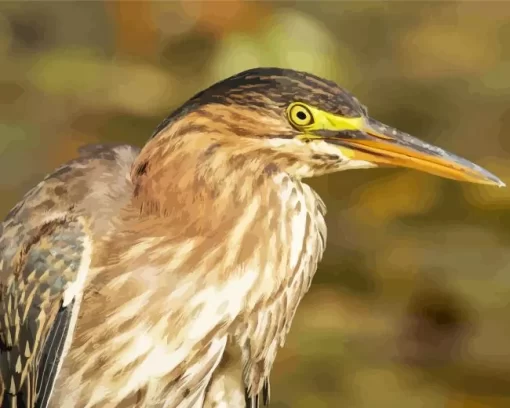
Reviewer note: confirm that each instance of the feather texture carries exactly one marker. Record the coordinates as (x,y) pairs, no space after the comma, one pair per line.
(32,305)
(45,252)
(202,247)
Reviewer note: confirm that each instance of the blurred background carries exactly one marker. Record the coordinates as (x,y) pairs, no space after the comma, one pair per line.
(410,307)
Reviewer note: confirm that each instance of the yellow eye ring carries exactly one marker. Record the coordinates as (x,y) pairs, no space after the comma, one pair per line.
(300,115)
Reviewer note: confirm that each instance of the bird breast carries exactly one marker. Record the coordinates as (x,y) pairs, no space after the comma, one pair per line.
(244,283)
(296,238)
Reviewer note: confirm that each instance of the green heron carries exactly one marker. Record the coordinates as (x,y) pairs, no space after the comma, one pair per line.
(169,277)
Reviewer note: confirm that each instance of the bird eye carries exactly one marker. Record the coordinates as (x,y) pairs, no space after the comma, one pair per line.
(300,115)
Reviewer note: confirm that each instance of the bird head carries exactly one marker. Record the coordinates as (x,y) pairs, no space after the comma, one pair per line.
(308,126)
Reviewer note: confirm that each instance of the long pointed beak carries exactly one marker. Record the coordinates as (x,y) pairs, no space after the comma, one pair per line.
(377,143)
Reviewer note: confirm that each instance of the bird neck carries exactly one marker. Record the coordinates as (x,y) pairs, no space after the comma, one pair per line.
(196,173)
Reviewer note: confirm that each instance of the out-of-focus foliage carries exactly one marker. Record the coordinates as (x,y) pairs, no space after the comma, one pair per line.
(410,306)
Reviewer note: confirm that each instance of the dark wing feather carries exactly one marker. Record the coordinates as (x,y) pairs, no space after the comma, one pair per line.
(253,401)
(52,355)
(266,392)
(34,318)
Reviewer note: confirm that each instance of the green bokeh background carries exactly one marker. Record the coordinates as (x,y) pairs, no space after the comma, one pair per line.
(410,307)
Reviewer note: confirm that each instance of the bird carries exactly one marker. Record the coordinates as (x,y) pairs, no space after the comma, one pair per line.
(169,276)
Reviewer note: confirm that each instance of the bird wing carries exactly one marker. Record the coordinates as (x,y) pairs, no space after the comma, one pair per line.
(45,253)
(38,307)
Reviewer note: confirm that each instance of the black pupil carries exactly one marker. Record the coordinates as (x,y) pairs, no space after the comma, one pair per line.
(301,115)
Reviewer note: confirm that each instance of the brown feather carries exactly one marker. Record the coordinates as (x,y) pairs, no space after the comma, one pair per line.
(203,246)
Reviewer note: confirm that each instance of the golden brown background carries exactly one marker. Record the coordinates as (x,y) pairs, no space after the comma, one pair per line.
(410,307)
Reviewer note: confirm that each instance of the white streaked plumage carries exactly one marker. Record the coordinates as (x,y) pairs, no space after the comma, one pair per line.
(200,256)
